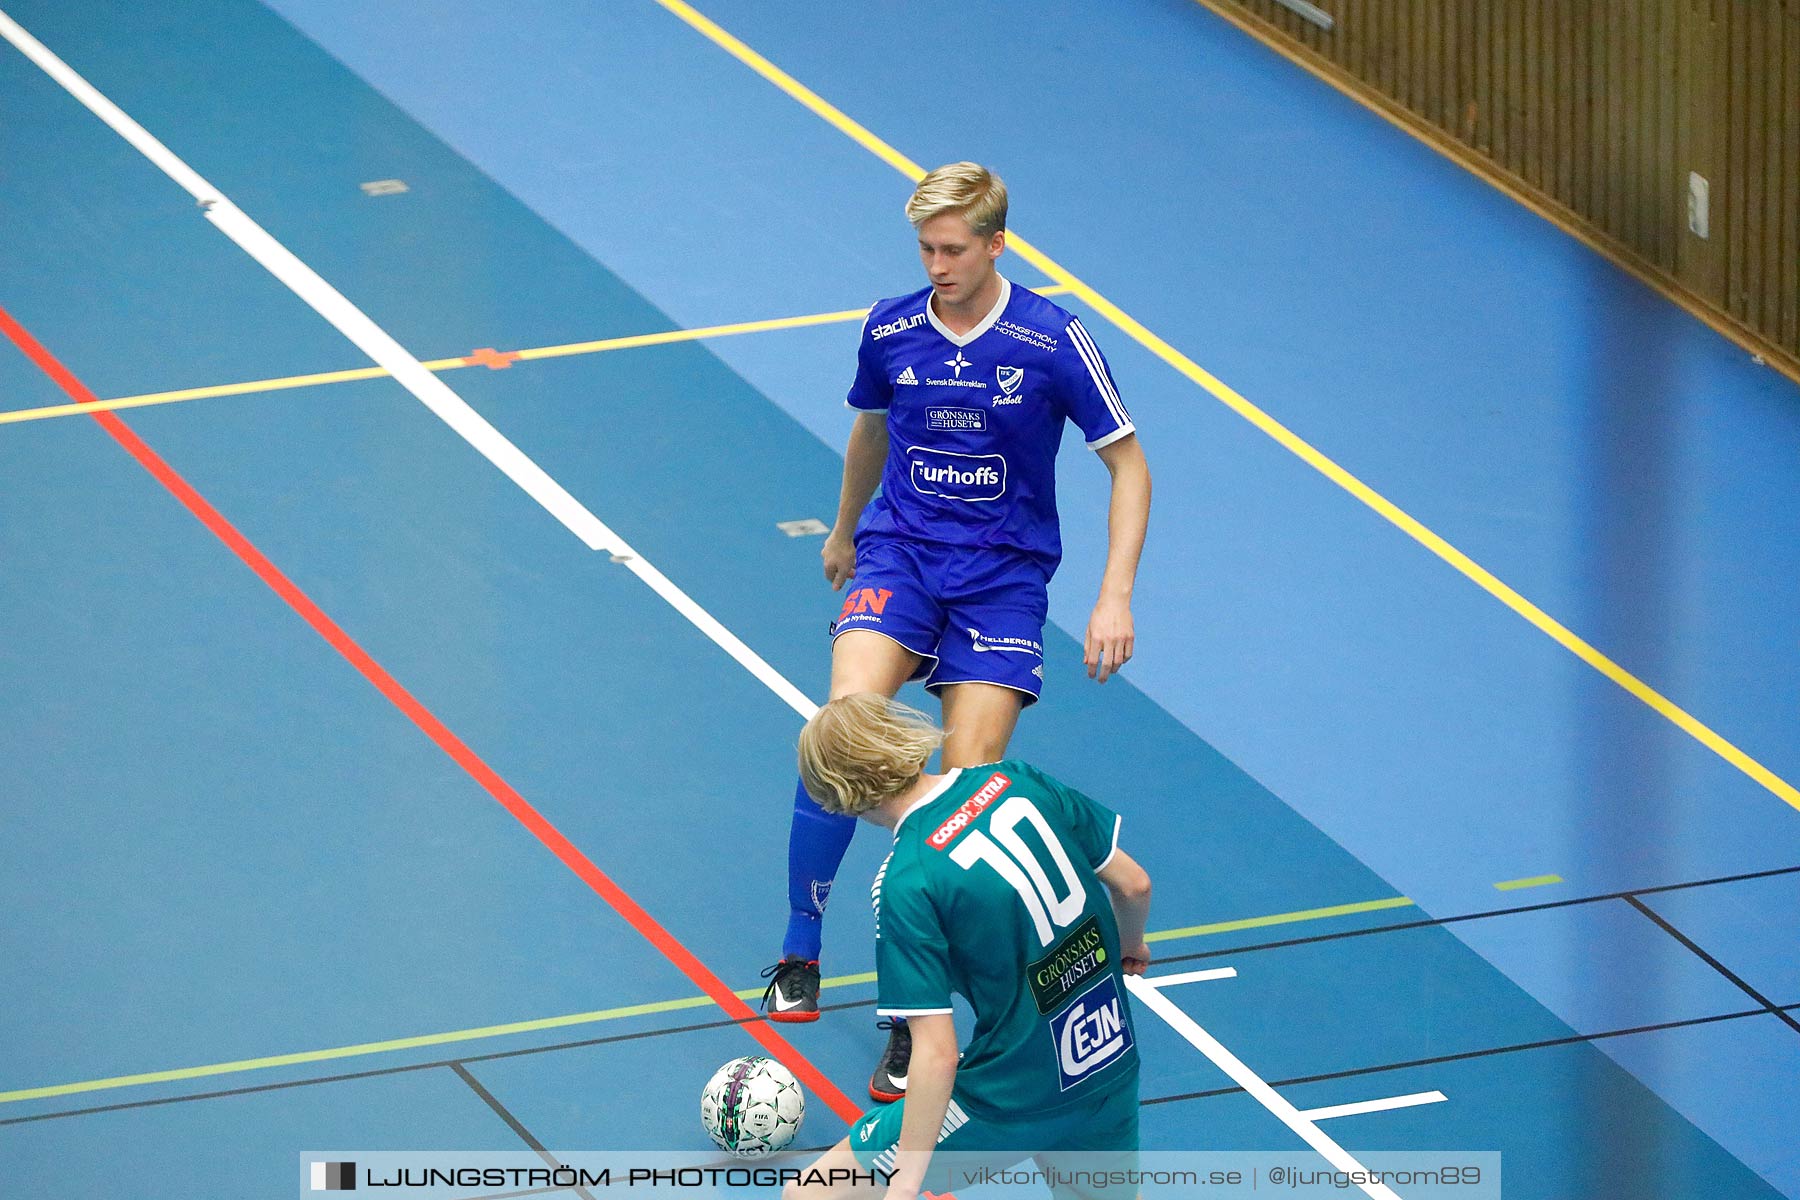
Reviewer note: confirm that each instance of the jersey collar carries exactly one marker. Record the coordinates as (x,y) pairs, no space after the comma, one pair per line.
(942,786)
(987,322)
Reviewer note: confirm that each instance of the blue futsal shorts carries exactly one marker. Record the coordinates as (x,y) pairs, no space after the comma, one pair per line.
(972,616)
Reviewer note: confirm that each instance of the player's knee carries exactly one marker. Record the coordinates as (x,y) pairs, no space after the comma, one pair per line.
(862,661)
(971,744)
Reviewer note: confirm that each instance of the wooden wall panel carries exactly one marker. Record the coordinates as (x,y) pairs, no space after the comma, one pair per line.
(1602,108)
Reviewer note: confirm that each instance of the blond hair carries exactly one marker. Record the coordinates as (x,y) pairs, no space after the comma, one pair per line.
(862,750)
(967,189)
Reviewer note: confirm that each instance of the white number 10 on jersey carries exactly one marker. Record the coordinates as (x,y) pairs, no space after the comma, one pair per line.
(1019,866)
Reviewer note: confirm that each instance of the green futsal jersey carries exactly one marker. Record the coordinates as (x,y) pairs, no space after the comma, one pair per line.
(990,891)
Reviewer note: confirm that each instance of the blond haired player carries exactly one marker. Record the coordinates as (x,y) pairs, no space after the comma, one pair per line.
(1007,887)
(962,393)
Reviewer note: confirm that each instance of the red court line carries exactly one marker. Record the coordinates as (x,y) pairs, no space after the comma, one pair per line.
(437,731)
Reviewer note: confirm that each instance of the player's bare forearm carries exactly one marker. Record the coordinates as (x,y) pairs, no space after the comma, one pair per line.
(1128,885)
(931,1077)
(863,460)
(1111,636)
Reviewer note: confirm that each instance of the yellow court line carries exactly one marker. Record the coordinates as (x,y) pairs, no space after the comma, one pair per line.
(1287,918)
(363,1049)
(1289,440)
(1516,885)
(632,342)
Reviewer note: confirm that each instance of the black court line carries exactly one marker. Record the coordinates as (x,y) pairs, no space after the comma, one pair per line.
(513,1123)
(854,1004)
(1573,1040)
(1714,963)
(376,1072)
(1430,922)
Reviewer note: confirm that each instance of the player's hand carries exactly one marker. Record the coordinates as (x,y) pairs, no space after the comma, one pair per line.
(1134,959)
(839,555)
(1110,640)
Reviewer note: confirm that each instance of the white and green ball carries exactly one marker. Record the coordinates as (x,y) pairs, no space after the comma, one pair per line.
(752,1106)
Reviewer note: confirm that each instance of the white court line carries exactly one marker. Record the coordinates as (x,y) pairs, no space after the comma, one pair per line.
(1146,991)
(1163,981)
(394,358)
(1369,1106)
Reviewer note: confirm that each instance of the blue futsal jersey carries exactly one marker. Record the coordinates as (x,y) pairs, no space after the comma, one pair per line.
(974,421)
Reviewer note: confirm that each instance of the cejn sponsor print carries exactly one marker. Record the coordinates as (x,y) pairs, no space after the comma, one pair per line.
(1090,1033)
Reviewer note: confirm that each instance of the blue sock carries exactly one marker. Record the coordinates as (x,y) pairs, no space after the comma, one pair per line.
(817,841)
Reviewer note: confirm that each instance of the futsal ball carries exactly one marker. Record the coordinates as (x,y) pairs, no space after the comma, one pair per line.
(752,1106)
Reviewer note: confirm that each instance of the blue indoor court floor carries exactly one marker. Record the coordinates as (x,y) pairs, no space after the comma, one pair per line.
(399,756)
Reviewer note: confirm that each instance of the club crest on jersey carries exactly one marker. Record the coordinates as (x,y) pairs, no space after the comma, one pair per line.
(968,810)
(1009,378)
(970,477)
(1090,1033)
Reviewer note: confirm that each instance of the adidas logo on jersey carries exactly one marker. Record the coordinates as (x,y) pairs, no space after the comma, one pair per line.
(907,376)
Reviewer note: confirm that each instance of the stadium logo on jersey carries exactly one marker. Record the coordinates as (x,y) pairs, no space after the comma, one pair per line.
(897,325)
(908,377)
(1074,960)
(956,418)
(968,810)
(1009,378)
(1090,1033)
(971,477)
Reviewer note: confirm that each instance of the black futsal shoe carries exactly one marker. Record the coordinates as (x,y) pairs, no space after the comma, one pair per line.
(793,993)
(888,1084)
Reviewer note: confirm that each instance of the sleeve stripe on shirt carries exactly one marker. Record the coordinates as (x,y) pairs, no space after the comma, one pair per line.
(1118,434)
(913,1012)
(1090,354)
